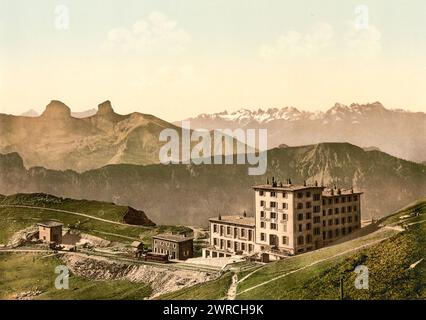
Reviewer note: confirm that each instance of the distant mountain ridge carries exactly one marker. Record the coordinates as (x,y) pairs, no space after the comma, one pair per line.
(190,194)
(398,132)
(57,140)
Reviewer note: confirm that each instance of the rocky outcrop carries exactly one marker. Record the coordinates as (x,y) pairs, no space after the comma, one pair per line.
(136,217)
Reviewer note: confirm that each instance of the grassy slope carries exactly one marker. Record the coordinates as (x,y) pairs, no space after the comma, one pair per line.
(15,219)
(388,263)
(27,272)
(213,290)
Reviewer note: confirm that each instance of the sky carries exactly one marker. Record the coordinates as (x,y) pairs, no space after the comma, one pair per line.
(180,58)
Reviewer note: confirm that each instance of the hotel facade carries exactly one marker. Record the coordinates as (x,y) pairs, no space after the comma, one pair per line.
(289,219)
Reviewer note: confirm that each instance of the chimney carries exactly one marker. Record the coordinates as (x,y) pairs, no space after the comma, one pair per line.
(316,183)
(220,217)
(304,183)
(289,181)
(245,214)
(339,191)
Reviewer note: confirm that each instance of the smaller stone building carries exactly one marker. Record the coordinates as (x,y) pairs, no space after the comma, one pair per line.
(177,247)
(50,232)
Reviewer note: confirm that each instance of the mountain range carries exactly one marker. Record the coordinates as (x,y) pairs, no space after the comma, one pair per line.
(398,132)
(190,194)
(58,140)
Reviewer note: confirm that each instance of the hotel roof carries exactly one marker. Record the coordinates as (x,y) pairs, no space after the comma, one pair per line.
(286,187)
(237,219)
(339,192)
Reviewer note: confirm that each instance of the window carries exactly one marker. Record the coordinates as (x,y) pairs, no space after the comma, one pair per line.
(261,193)
(323,213)
(243,246)
(273,194)
(330,212)
(317,219)
(317,209)
(262,214)
(355,208)
(300,228)
(300,217)
(317,197)
(343,199)
(308,205)
(324,235)
(215,228)
(273,204)
(343,220)
(284,195)
(308,238)
(273,215)
(317,231)
(308,194)
(308,226)
(228,244)
(349,209)
(300,205)
(285,240)
(336,221)
(308,215)
(343,231)
(300,240)
(343,209)
(243,232)
(215,241)
(250,248)
(349,199)
(285,216)
(336,211)
(349,219)
(330,222)
(355,198)
(336,200)
(330,201)
(299,195)
(285,205)
(262,237)
(323,202)
(324,223)
(262,203)
(350,230)
(274,226)
(262,224)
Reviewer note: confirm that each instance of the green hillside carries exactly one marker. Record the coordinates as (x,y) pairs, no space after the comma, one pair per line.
(23,210)
(23,273)
(387,252)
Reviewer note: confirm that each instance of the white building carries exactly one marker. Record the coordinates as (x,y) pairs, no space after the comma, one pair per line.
(289,219)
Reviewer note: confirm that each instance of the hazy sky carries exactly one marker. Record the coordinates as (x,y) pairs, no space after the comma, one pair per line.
(176,58)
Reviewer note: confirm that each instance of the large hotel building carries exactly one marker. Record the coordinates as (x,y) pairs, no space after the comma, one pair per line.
(289,219)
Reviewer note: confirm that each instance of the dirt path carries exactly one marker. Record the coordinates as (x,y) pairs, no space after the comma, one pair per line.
(308,265)
(232,291)
(69,212)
